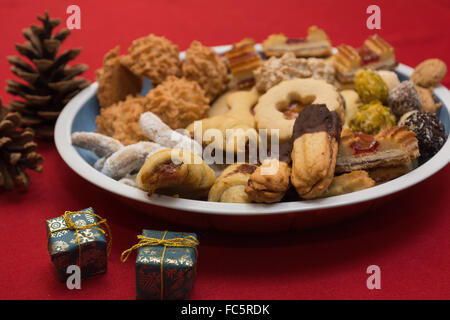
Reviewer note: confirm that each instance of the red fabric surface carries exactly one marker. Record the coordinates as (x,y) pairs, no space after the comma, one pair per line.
(408,237)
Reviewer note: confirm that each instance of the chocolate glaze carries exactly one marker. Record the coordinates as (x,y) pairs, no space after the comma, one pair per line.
(317,118)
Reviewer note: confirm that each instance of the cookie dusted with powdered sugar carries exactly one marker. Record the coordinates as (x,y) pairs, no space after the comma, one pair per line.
(158,131)
(129,159)
(101,145)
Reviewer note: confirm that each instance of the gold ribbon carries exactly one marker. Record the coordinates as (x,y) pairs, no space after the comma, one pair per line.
(70,225)
(144,241)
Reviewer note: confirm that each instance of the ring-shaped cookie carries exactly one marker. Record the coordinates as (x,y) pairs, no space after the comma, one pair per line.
(269,112)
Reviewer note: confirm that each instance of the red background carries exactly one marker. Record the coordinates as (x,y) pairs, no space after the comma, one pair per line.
(408,238)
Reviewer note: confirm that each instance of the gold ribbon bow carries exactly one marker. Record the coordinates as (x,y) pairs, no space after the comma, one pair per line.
(70,225)
(144,241)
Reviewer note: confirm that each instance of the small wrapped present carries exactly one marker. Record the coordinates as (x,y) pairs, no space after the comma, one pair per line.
(166,264)
(78,238)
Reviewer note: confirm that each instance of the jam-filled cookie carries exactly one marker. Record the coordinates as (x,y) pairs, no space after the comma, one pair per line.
(280,105)
(176,172)
(315,141)
(316,44)
(390,147)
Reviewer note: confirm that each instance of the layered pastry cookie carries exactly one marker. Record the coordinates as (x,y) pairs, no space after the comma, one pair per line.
(390,147)
(375,54)
(176,172)
(242,60)
(230,185)
(316,44)
(315,141)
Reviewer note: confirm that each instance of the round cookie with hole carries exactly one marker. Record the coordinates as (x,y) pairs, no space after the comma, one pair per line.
(278,108)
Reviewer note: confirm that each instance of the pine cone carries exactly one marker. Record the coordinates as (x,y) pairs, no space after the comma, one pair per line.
(50,82)
(16,151)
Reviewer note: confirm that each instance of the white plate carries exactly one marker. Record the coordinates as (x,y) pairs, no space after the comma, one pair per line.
(74,160)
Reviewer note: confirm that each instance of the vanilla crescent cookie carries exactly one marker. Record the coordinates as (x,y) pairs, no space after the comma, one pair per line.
(157,131)
(236,125)
(315,147)
(101,145)
(129,159)
(269,112)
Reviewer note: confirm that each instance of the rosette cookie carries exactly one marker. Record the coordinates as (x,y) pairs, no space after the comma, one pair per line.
(176,172)
(230,185)
(270,181)
(315,141)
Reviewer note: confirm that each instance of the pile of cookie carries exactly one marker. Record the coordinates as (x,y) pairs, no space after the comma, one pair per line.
(342,121)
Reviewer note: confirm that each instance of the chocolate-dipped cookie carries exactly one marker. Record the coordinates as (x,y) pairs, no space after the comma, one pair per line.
(429,131)
(315,141)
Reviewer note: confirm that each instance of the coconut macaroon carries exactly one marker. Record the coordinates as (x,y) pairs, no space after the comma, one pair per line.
(121,120)
(153,57)
(178,102)
(203,65)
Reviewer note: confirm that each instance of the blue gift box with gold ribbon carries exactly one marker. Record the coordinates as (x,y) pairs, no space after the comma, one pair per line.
(166,264)
(78,238)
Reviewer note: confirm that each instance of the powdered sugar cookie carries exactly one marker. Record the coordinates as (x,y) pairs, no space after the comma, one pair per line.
(158,131)
(129,159)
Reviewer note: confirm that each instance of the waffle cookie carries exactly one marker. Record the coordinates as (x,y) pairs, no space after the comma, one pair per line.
(375,54)
(242,60)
